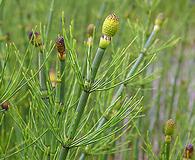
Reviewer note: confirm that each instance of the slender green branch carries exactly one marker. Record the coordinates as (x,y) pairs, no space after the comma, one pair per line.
(167,150)
(83,101)
(42,73)
(49,21)
(60,86)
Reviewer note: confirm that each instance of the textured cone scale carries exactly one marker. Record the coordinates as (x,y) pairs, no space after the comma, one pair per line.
(110,25)
(188,151)
(169,127)
(60,45)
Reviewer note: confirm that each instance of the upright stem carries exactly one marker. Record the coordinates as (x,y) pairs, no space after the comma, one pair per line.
(49,21)
(167,150)
(21,13)
(63,153)
(84,97)
(79,112)
(43,87)
(60,86)
(1,23)
(42,73)
(84,68)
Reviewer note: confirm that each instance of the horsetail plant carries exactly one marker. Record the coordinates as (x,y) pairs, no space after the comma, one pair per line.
(109,29)
(60,86)
(188,153)
(87,116)
(89,45)
(168,130)
(35,39)
(158,22)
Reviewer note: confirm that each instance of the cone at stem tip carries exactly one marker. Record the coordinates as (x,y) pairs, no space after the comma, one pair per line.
(188,151)
(60,45)
(35,38)
(110,25)
(169,127)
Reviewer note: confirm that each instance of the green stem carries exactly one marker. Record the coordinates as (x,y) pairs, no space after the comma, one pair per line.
(167,150)
(62,86)
(79,112)
(95,65)
(63,153)
(42,73)
(21,13)
(49,21)
(1,24)
(43,87)
(84,68)
(83,156)
(84,96)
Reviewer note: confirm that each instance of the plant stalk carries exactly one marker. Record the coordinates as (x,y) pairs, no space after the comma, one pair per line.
(167,150)
(42,73)
(63,153)
(84,97)
(60,86)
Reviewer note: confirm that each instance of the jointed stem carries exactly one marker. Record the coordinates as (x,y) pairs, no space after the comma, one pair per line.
(42,73)
(49,21)
(84,98)
(167,150)
(62,87)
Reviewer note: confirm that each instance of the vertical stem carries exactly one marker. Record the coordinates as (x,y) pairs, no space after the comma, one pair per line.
(84,97)
(43,87)
(62,86)
(84,68)
(42,73)
(167,150)
(79,111)
(21,13)
(49,21)
(63,153)
(95,65)
(1,23)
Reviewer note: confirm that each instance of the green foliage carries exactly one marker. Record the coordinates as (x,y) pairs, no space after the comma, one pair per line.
(116,109)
